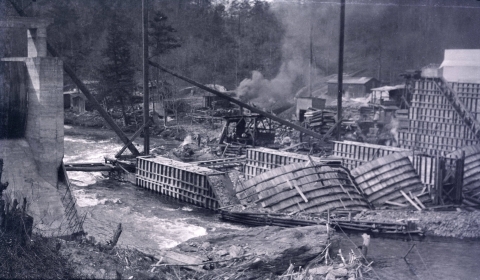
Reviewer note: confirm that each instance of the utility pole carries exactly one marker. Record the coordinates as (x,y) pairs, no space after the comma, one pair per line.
(146,106)
(340,68)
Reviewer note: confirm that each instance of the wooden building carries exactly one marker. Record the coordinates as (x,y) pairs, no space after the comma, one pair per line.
(74,100)
(461,66)
(353,87)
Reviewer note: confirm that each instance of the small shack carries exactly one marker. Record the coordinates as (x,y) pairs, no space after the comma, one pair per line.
(353,87)
(74,100)
(304,103)
(388,95)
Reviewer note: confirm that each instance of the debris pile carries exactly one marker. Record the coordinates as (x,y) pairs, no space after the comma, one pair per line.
(252,253)
(320,121)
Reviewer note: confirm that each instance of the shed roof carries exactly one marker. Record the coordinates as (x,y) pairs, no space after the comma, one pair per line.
(353,80)
(389,88)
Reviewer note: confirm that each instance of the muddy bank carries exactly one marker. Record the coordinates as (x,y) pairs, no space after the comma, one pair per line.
(457,224)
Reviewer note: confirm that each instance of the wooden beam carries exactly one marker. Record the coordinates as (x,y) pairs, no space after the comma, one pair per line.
(134,136)
(416,200)
(395,203)
(298,190)
(411,201)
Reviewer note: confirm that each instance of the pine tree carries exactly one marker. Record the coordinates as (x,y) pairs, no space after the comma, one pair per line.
(118,70)
(161,38)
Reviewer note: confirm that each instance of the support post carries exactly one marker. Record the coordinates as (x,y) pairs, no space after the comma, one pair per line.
(340,67)
(459,173)
(146,97)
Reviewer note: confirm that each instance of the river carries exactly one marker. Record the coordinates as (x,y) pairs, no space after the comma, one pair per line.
(152,222)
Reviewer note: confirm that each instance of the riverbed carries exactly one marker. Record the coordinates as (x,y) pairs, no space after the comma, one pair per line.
(152,222)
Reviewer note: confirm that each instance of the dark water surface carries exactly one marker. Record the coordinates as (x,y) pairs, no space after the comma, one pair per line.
(152,222)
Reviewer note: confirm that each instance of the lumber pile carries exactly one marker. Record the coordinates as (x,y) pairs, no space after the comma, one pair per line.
(320,120)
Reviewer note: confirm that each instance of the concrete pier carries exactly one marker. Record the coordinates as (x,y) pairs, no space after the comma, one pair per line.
(33,161)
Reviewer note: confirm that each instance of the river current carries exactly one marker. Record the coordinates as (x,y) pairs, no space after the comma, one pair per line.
(152,222)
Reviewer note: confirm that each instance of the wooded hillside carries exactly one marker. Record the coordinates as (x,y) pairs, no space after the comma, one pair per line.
(222,42)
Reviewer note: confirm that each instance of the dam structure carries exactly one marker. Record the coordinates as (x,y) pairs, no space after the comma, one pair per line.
(31,130)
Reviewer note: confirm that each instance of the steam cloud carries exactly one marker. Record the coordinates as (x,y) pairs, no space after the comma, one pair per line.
(266,92)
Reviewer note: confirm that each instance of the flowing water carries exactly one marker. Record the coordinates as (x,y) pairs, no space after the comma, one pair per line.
(152,222)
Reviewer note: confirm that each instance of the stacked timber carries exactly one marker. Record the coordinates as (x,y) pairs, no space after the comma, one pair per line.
(471,176)
(260,160)
(185,181)
(320,120)
(391,180)
(303,187)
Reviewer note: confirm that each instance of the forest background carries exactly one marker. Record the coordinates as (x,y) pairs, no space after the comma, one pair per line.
(261,48)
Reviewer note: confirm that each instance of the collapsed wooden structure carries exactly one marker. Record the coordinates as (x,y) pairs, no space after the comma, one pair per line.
(185,181)
(260,160)
(388,179)
(442,136)
(303,187)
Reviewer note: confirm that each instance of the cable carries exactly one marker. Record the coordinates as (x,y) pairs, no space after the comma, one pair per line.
(421,258)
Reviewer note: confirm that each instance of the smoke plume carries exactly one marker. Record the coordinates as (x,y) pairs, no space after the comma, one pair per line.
(267,93)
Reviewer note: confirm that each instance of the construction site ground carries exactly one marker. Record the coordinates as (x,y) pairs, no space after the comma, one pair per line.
(87,260)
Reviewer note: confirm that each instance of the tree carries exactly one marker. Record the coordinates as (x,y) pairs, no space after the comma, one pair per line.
(160,34)
(118,70)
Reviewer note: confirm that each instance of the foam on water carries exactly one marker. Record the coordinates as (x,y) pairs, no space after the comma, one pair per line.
(91,199)
(83,179)
(166,233)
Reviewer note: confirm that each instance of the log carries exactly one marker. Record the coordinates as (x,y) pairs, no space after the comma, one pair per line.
(116,236)
(178,259)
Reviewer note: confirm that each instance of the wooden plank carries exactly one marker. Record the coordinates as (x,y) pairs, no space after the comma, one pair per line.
(411,201)
(298,190)
(417,200)
(395,203)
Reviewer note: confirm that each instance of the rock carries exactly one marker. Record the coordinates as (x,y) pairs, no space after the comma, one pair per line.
(206,246)
(330,276)
(321,270)
(235,251)
(222,252)
(339,272)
